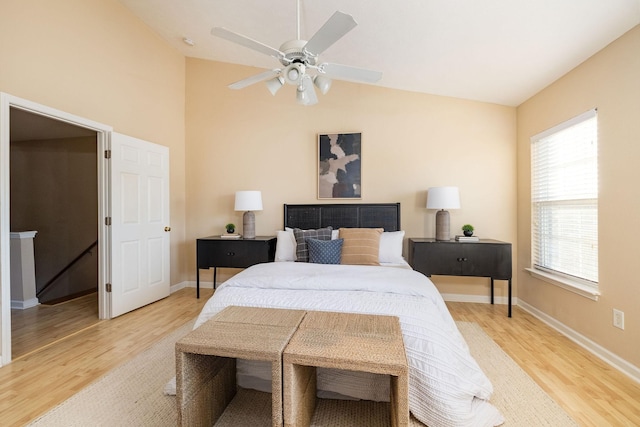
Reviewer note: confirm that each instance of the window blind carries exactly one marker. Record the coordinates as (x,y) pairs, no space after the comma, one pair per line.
(564,199)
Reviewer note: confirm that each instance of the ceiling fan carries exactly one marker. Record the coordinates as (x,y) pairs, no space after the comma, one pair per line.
(299,59)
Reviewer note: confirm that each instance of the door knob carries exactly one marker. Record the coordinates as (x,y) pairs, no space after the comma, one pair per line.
(167,229)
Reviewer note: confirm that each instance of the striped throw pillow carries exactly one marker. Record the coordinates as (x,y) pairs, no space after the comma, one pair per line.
(361,245)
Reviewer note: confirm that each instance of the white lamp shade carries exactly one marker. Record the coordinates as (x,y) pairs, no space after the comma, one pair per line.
(323,83)
(275,84)
(294,73)
(443,198)
(248,201)
(305,94)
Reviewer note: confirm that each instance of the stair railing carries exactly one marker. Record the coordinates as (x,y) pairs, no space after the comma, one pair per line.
(68,266)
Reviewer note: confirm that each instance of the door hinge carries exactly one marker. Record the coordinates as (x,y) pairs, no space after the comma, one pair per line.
(108,287)
(107,154)
(107,221)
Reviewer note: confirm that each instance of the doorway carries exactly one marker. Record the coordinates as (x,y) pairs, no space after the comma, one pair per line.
(9,104)
(133,248)
(54,195)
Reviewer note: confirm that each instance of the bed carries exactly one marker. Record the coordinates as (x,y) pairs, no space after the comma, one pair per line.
(446,385)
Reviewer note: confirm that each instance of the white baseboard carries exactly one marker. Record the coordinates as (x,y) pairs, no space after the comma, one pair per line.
(23,305)
(190,284)
(481,299)
(612,359)
(178,286)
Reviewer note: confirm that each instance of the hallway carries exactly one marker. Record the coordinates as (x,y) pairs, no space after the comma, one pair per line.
(40,326)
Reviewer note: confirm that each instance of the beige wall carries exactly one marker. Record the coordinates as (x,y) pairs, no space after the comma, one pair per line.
(250,140)
(608,81)
(94,59)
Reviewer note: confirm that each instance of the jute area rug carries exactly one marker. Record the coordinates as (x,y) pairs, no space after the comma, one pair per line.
(132,395)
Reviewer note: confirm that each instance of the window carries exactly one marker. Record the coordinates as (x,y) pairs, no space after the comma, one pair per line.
(564,203)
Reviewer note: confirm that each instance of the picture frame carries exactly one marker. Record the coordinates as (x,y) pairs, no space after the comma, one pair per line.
(340,165)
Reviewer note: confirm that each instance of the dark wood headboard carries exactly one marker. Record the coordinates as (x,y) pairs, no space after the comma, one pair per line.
(353,215)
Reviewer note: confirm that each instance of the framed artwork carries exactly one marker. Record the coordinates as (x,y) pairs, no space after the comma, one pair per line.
(340,166)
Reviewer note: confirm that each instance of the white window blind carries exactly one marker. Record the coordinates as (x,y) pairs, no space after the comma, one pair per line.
(564,200)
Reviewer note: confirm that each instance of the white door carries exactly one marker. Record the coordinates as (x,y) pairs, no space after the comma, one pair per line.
(139,223)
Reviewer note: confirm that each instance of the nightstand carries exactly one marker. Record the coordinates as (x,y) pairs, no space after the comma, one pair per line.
(484,258)
(216,251)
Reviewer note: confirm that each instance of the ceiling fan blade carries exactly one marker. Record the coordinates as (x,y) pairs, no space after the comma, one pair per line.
(337,26)
(246,42)
(345,72)
(254,79)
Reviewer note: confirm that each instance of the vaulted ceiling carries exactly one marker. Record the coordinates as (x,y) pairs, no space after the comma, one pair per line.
(498,51)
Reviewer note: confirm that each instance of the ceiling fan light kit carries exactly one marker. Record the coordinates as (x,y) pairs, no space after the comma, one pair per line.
(293,73)
(305,93)
(323,83)
(299,57)
(274,84)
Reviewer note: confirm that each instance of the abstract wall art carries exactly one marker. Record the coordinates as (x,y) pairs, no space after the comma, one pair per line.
(340,166)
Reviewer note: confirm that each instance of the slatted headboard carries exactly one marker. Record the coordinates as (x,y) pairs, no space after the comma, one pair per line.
(353,215)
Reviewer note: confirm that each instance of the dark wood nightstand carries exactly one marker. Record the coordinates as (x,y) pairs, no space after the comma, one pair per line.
(216,251)
(484,258)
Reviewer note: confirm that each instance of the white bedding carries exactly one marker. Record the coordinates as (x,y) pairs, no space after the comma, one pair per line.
(446,386)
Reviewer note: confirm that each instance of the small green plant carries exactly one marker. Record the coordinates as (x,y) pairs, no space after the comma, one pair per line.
(230,228)
(467,227)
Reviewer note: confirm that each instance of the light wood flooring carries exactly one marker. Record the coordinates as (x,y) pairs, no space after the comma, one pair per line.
(42,325)
(592,392)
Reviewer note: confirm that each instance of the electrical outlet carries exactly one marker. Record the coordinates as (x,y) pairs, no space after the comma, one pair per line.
(618,319)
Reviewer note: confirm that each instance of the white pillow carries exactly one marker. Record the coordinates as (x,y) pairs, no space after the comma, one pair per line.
(286,246)
(391,246)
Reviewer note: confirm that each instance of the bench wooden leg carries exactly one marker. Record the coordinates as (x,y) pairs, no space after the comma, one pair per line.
(299,395)
(204,387)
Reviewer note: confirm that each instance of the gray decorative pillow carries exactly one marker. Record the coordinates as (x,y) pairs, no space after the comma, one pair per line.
(324,251)
(302,251)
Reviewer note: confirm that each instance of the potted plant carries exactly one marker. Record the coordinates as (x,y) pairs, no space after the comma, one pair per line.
(467,229)
(231,228)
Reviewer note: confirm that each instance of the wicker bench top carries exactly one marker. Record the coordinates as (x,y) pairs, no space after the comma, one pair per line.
(260,316)
(359,342)
(244,332)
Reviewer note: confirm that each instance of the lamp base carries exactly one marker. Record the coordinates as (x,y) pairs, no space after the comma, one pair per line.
(442,225)
(249,225)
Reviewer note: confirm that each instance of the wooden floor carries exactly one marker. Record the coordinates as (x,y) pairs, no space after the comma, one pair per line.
(42,325)
(593,393)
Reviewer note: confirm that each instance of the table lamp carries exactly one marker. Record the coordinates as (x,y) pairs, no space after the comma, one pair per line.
(443,198)
(248,201)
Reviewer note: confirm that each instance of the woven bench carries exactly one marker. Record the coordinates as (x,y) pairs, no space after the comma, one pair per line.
(206,360)
(355,342)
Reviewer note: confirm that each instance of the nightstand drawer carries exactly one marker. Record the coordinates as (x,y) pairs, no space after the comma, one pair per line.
(462,259)
(233,253)
(215,252)
(483,258)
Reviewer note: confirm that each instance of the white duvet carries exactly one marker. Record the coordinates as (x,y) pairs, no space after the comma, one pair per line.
(446,385)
